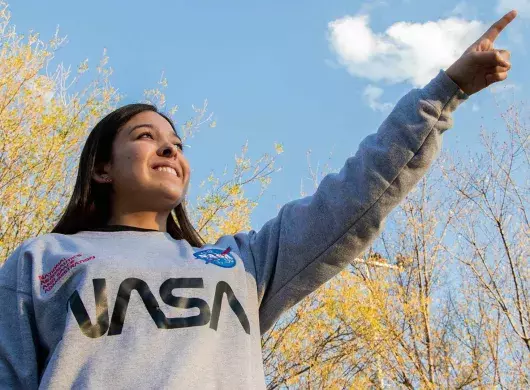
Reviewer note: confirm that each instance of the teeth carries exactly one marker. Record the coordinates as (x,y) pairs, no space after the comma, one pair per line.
(167,169)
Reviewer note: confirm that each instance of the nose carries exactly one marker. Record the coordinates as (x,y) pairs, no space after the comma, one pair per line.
(168,150)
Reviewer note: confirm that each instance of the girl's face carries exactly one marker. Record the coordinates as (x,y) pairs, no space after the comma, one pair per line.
(148,170)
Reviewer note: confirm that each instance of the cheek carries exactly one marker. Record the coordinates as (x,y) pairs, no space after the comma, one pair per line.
(130,163)
(186,168)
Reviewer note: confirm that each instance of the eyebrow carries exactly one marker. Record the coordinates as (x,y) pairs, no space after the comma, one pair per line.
(151,127)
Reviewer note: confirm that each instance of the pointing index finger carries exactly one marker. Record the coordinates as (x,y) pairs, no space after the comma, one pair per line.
(494,31)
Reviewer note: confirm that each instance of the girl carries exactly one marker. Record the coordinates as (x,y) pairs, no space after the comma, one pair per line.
(124,294)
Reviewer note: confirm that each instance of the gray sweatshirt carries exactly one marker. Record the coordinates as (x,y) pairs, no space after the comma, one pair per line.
(131,309)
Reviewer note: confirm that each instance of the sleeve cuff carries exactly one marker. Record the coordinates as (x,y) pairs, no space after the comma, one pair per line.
(443,93)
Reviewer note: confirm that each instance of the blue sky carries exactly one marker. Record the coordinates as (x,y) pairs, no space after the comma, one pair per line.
(312,75)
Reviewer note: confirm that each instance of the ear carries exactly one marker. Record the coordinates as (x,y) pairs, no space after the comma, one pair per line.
(101,174)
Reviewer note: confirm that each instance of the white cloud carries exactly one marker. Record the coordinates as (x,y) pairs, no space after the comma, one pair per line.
(475,107)
(405,52)
(371,95)
(522,7)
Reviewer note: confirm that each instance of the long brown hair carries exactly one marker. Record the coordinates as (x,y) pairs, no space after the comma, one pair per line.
(90,205)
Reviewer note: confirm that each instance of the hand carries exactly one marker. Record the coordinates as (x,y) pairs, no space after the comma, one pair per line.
(481,65)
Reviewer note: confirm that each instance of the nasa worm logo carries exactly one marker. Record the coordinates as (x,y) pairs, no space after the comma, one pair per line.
(219,257)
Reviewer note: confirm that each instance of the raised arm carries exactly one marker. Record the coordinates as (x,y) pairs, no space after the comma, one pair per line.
(313,238)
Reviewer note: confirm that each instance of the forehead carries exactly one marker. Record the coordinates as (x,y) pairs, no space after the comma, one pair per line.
(150,119)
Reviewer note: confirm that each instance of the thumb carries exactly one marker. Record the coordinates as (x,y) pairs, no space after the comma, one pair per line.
(505,55)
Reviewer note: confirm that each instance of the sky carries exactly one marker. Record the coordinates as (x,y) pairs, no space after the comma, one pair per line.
(312,75)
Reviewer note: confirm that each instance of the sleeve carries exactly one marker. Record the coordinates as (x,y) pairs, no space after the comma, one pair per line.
(314,238)
(18,357)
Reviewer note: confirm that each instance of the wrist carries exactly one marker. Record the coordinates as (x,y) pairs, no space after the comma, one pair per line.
(453,75)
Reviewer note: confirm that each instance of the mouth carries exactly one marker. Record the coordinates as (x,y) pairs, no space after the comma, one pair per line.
(166,169)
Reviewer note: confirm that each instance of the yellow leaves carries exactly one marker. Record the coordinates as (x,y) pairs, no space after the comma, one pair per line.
(42,126)
(82,67)
(243,163)
(278,148)
(349,322)
(223,212)
(234,190)
(225,207)
(173,110)
(398,326)
(163,81)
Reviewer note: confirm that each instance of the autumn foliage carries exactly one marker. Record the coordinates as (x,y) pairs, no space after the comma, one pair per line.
(441,301)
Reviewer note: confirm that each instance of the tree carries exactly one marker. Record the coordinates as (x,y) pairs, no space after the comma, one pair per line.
(42,126)
(492,201)
(440,301)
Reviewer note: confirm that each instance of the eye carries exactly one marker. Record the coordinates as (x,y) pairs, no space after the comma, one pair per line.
(145,135)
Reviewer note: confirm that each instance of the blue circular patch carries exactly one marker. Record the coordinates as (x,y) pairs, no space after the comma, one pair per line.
(219,257)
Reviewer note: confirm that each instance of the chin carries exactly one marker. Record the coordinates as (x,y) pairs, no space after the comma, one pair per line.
(166,196)
(169,199)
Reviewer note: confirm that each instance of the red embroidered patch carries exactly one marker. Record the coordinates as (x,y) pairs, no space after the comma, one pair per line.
(50,279)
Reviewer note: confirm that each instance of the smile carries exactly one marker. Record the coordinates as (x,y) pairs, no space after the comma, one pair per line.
(167,170)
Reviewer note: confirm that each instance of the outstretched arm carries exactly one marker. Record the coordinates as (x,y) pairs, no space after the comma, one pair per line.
(313,238)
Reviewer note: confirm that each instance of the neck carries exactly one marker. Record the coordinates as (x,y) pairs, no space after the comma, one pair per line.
(141,219)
